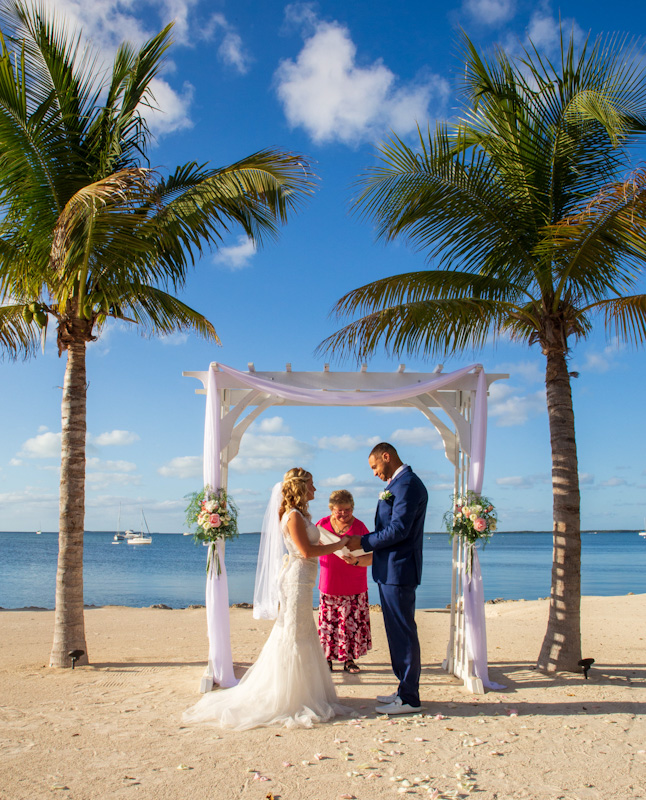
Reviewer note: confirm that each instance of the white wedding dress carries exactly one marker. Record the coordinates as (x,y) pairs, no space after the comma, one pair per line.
(290,683)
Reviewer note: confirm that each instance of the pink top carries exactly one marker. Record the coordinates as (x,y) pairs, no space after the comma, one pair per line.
(337,577)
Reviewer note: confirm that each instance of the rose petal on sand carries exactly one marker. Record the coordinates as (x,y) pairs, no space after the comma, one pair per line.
(184,766)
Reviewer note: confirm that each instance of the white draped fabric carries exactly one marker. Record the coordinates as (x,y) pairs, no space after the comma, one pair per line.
(217,600)
(217,589)
(475,628)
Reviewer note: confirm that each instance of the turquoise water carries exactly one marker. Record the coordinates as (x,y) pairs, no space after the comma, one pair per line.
(171,569)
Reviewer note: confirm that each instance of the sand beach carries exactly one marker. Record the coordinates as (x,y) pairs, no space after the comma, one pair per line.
(114,729)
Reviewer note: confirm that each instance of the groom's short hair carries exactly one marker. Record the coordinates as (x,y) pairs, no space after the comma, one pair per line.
(384,447)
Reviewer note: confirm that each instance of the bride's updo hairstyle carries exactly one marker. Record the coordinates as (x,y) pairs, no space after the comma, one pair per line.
(295,491)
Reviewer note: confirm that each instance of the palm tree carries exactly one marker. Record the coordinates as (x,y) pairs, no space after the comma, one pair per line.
(90,232)
(537,231)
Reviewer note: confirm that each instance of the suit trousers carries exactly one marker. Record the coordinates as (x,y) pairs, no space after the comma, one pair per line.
(398,606)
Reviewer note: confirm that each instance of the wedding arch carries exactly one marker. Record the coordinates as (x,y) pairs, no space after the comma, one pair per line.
(234,399)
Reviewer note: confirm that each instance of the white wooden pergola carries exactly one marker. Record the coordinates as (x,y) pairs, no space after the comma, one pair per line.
(243,397)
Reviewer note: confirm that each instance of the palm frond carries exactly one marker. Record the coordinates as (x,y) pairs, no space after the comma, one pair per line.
(160,313)
(425,328)
(17,336)
(625,317)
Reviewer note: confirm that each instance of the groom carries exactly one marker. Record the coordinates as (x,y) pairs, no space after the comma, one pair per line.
(396,545)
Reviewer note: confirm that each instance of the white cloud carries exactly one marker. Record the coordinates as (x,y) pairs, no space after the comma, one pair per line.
(544,30)
(236,256)
(347,479)
(611,482)
(514,481)
(15,462)
(332,97)
(116,437)
(45,445)
(423,437)
(171,109)
(347,442)
(231,51)
(270,425)
(182,467)
(529,371)
(602,361)
(110,466)
(514,409)
(174,339)
(490,12)
(29,497)
(102,479)
(262,453)
(523,481)
(586,479)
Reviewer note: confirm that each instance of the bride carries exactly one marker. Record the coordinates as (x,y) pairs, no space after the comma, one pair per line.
(290,683)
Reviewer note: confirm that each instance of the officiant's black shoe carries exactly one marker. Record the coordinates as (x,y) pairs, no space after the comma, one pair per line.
(329,663)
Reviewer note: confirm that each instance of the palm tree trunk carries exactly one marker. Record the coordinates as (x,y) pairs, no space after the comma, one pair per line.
(561,650)
(69,625)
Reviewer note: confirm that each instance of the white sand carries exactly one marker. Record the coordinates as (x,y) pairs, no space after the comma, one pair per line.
(114,730)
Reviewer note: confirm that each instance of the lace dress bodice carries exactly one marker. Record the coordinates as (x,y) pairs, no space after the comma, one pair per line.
(290,683)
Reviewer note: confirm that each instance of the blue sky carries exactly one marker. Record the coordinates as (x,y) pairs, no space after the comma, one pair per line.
(328,80)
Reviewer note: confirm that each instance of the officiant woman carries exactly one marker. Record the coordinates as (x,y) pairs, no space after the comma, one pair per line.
(344,612)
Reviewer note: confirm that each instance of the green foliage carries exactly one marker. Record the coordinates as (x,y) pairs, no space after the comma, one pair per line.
(88,229)
(522,206)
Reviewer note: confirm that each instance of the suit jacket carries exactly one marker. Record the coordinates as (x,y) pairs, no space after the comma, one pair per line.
(397,541)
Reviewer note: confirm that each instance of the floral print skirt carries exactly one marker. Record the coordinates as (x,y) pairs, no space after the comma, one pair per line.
(344,626)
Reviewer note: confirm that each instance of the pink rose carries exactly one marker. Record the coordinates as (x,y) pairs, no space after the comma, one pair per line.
(215,521)
(479,524)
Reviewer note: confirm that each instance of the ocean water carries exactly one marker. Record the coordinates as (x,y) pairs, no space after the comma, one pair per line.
(172,569)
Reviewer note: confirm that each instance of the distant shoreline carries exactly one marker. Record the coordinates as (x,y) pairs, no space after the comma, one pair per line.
(426,533)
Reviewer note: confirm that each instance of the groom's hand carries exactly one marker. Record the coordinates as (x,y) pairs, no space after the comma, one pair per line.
(352,542)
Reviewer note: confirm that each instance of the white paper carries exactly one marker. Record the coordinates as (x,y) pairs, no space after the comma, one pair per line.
(327,537)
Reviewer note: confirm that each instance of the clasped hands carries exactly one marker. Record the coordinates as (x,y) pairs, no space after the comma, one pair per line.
(352,543)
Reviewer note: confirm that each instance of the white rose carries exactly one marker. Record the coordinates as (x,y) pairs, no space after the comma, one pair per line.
(477,509)
(210,506)
(466,511)
(473,517)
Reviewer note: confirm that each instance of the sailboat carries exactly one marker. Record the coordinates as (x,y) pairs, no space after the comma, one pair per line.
(127,534)
(643,533)
(141,538)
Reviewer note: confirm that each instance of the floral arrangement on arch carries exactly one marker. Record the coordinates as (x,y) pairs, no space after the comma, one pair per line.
(473,518)
(216,517)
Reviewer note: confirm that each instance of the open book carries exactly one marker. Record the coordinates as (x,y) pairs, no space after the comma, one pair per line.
(327,537)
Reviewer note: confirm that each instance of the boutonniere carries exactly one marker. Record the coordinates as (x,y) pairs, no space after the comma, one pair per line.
(385,495)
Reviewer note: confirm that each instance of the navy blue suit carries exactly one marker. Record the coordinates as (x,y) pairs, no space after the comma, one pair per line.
(396,547)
